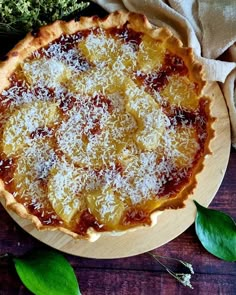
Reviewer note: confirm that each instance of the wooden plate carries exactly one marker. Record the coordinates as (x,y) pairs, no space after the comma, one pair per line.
(171,223)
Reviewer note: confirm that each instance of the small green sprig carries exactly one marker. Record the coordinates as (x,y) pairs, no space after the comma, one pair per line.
(21,16)
(183,278)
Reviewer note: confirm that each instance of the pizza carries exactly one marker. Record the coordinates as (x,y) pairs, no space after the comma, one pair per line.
(103,124)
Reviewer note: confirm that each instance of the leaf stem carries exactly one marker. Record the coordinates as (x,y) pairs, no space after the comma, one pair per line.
(186,264)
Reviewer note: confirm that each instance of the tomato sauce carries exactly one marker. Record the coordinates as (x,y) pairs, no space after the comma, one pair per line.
(127,35)
(46,214)
(172,65)
(156,81)
(7,168)
(86,221)
(135,216)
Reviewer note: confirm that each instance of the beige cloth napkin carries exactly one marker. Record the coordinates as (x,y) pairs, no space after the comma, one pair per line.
(209,27)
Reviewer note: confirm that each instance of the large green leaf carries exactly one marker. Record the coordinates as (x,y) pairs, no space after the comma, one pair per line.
(47,272)
(217,232)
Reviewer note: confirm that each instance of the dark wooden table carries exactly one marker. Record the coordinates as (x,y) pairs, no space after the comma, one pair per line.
(139,274)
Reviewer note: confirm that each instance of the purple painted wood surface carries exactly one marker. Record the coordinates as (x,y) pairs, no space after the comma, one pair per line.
(139,274)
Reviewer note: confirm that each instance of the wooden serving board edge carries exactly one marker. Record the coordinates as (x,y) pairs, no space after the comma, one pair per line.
(170,223)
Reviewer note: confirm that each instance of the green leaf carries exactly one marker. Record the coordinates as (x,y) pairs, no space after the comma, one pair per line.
(217,232)
(47,272)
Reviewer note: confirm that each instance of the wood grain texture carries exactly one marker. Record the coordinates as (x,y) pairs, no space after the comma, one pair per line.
(137,275)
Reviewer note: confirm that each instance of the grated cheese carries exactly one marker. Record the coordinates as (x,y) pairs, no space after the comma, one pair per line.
(83,90)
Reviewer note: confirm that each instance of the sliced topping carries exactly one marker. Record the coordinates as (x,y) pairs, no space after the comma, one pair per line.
(30,176)
(150,55)
(104,50)
(151,120)
(129,149)
(99,128)
(81,136)
(64,186)
(106,206)
(184,145)
(143,176)
(126,59)
(98,80)
(95,130)
(98,47)
(48,72)
(180,92)
(120,126)
(23,122)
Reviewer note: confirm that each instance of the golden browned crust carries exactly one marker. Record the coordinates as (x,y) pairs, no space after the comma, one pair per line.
(137,22)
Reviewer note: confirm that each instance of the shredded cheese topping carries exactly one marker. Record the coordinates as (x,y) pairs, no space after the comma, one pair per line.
(86,133)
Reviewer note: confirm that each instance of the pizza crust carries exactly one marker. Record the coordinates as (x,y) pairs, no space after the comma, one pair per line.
(138,23)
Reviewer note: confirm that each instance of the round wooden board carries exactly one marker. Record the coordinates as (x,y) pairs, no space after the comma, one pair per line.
(170,223)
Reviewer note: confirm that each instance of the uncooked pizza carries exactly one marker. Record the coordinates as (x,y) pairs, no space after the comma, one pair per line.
(102,124)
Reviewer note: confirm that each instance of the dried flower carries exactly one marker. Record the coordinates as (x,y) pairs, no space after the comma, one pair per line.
(183,278)
(6,255)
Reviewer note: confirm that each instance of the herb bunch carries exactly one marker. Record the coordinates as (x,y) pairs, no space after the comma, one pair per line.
(21,16)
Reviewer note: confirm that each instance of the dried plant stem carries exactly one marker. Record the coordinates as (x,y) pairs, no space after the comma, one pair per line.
(4,255)
(183,278)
